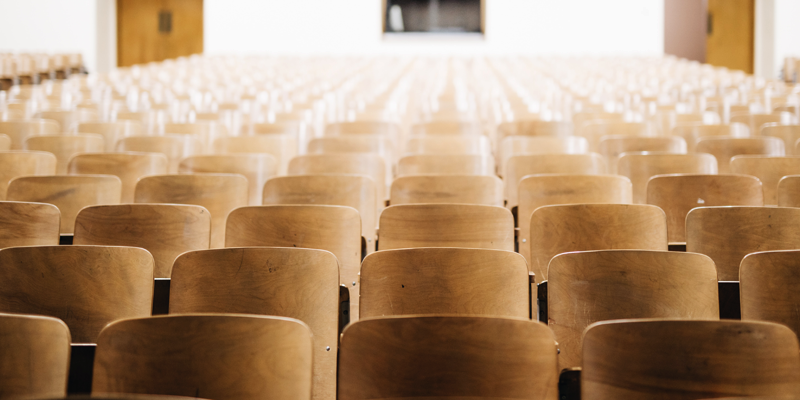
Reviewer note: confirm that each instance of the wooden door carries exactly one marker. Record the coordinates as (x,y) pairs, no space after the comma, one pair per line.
(730,34)
(155,30)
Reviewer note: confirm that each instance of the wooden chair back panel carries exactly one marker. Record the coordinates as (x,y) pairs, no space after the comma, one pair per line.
(640,167)
(64,147)
(446,164)
(282,146)
(788,194)
(612,146)
(512,146)
(790,134)
(362,128)
(112,131)
(174,147)
(28,224)
(534,128)
(448,144)
(19,130)
(769,170)
(257,168)
(447,128)
(756,121)
(18,163)
(129,167)
(464,189)
(725,148)
(693,132)
(768,285)
(595,130)
(518,167)
(371,165)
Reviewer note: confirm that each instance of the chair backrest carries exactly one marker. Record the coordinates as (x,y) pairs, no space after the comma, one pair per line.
(362,127)
(680,193)
(285,282)
(65,146)
(518,167)
(446,225)
(112,131)
(70,193)
(789,191)
(756,121)
(448,144)
(371,165)
(129,167)
(19,130)
(584,117)
(768,287)
(207,132)
(465,189)
(725,148)
(455,281)
(281,146)
(692,132)
(553,189)
(288,127)
(534,128)
(165,230)
(16,163)
(225,357)
(378,144)
(728,234)
(612,146)
(257,168)
(447,128)
(640,167)
(618,284)
(357,191)
(28,224)
(788,133)
(519,145)
(218,193)
(595,130)
(85,286)
(34,357)
(5,142)
(174,147)
(675,359)
(68,119)
(437,357)
(333,228)
(456,164)
(769,170)
(580,227)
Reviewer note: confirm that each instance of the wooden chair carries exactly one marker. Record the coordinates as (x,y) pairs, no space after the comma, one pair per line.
(333,228)
(756,121)
(165,230)
(728,234)
(371,165)
(282,147)
(218,193)
(768,287)
(446,164)
(618,284)
(681,359)
(553,189)
(16,163)
(464,189)
(357,191)
(286,282)
(595,130)
(512,146)
(534,128)
(447,357)
(580,227)
(680,193)
(68,119)
(289,127)
(611,147)
(769,170)
(790,134)
(389,129)
(378,144)
(725,148)
(112,131)
(129,167)
(446,225)
(640,167)
(448,144)
(519,167)
(19,130)
(455,281)
(257,168)
(692,132)
(85,286)
(174,147)
(225,357)
(69,193)
(64,147)
(206,132)
(447,128)
(34,360)
(28,224)
(5,142)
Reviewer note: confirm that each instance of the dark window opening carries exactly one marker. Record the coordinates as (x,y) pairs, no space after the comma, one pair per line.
(433,16)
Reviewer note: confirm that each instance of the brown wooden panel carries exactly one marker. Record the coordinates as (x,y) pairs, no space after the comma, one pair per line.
(730,34)
(139,39)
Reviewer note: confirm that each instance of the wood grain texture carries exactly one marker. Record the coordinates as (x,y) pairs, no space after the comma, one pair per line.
(64,147)
(455,281)
(16,163)
(612,146)
(225,357)
(464,189)
(448,144)
(281,146)
(769,170)
(674,359)
(85,286)
(218,193)
(129,167)
(692,132)
(165,230)
(257,168)
(446,164)
(725,148)
(437,357)
(591,286)
(139,40)
(519,167)
(728,234)
(679,193)
(19,130)
(5,142)
(36,352)
(357,191)
(69,193)
(447,128)
(446,225)
(174,147)
(730,40)
(286,282)
(581,227)
(768,287)
(520,145)
(790,134)
(28,224)
(371,165)
(640,167)
(333,228)
(112,131)
(553,189)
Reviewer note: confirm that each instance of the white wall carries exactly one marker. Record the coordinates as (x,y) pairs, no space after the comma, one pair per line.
(787,32)
(512,26)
